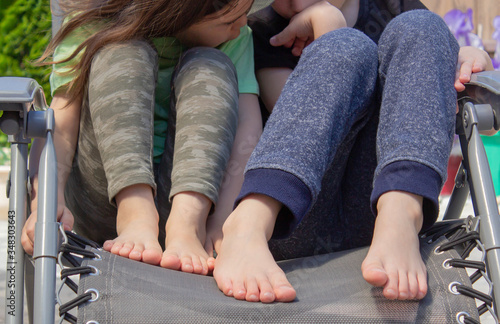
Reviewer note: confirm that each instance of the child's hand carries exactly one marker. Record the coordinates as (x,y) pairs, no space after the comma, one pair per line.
(64,216)
(470,60)
(308,25)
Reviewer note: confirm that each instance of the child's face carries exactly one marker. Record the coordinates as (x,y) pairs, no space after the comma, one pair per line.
(216,28)
(289,8)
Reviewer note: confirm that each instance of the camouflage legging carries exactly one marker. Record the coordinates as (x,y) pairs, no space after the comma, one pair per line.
(116,133)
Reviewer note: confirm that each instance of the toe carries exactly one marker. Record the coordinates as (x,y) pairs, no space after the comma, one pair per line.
(170,261)
(422,285)
(187,265)
(152,256)
(108,245)
(266,291)
(211,263)
(283,290)
(226,287)
(412,286)
(136,253)
(253,294)
(126,249)
(239,290)
(375,274)
(391,290)
(403,290)
(116,248)
(197,264)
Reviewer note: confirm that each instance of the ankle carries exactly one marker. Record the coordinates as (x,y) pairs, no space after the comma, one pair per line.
(190,207)
(255,215)
(138,220)
(400,204)
(136,202)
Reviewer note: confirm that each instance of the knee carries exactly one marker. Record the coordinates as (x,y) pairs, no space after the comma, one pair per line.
(415,19)
(205,55)
(421,24)
(135,59)
(137,52)
(344,47)
(206,62)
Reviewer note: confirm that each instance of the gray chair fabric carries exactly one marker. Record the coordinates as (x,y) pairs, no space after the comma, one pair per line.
(330,289)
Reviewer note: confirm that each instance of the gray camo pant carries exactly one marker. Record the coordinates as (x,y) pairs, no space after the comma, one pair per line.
(115,144)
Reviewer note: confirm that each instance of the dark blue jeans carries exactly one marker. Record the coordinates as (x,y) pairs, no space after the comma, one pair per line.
(356,120)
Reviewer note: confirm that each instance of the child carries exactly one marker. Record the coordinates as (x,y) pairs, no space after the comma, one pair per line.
(311,174)
(104,84)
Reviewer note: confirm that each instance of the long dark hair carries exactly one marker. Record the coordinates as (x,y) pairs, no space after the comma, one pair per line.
(123,20)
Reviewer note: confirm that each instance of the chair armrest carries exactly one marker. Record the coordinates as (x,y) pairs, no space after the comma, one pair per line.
(489,80)
(484,89)
(18,97)
(16,92)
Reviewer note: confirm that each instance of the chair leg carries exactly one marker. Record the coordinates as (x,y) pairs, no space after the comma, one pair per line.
(29,281)
(17,216)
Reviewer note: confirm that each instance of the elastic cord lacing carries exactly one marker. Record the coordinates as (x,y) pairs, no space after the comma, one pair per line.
(71,255)
(463,237)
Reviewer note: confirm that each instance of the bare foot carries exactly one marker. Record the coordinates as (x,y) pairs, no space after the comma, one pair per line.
(137,241)
(137,226)
(393,260)
(185,235)
(245,268)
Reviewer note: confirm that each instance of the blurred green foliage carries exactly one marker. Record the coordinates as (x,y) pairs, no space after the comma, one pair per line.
(4,4)
(25,26)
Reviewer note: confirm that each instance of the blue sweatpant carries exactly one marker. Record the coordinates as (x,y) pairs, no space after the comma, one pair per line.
(355,120)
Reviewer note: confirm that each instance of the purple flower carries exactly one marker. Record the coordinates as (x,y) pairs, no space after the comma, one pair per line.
(496,36)
(460,24)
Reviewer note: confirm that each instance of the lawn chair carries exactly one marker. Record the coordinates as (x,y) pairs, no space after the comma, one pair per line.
(330,288)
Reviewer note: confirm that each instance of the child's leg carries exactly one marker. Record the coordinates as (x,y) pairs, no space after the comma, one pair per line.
(114,160)
(202,124)
(311,120)
(418,56)
(340,218)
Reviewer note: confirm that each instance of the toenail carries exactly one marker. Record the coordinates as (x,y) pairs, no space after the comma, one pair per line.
(391,292)
(268,295)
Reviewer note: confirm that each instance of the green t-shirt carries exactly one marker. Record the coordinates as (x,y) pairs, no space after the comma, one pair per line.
(239,50)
